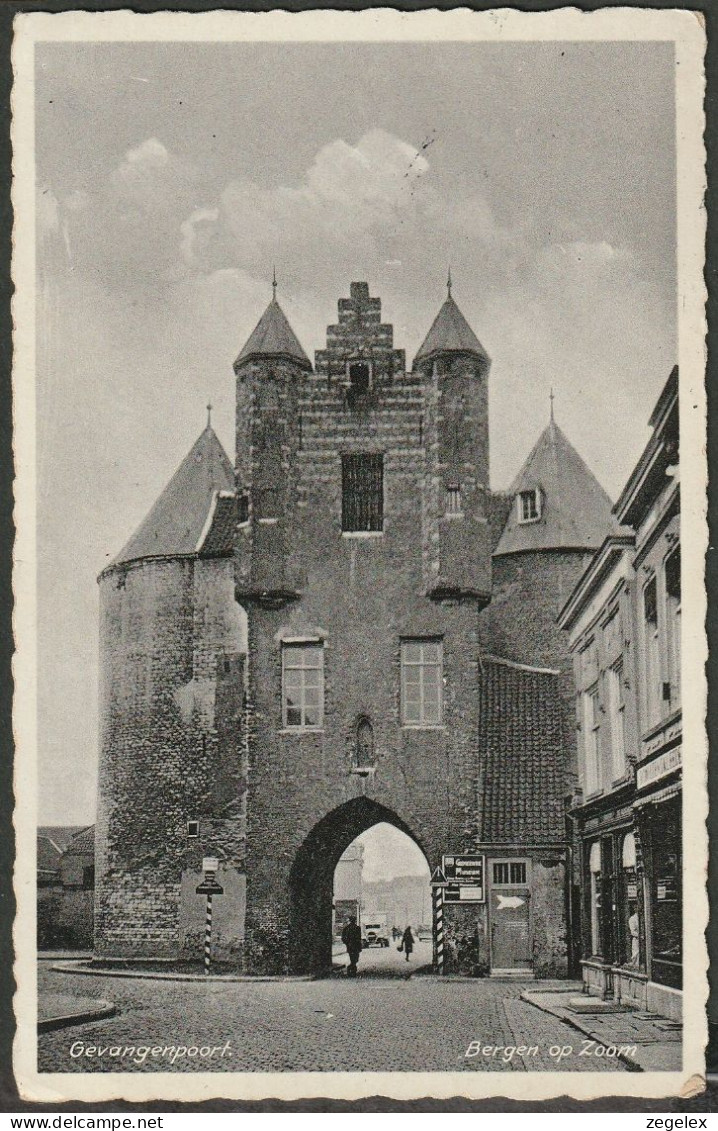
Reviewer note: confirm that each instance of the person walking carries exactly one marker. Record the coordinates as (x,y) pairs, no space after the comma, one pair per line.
(351,937)
(407,941)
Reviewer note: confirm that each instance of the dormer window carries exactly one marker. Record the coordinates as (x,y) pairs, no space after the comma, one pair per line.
(529,505)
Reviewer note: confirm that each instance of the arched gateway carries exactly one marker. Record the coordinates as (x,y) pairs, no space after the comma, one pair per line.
(312,878)
(353,541)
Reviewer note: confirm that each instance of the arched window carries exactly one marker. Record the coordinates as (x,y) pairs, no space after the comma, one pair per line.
(364,746)
(630,932)
(594,867)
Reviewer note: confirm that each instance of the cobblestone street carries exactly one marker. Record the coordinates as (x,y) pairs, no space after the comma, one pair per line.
(371,1024)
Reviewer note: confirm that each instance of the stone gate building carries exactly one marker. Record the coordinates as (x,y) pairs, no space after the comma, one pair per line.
(303,647)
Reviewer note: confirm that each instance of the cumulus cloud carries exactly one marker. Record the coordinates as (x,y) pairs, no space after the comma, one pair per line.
(349,192)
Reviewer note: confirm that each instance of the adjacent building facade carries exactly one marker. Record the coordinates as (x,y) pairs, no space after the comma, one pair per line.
(624,627)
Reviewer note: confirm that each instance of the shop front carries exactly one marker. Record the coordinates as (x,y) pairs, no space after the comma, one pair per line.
(659,818)
(614,940)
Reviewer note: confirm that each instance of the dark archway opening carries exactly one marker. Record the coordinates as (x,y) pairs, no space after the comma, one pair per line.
(312,878)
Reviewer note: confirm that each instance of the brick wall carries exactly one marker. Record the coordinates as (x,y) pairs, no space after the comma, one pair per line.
(359,595)
(167,631)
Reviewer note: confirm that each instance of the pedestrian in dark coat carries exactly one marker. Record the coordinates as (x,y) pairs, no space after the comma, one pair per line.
(351,937)
(407,941)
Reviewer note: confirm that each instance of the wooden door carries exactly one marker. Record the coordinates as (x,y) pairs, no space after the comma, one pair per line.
(510,942)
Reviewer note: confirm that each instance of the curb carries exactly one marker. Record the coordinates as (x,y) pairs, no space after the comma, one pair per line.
(528,996)
(102,1010)
(158,976)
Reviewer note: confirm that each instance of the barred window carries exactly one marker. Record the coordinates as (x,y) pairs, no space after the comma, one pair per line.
(362,492)
(421,679)
(509,872)
(303,685)
(453,499)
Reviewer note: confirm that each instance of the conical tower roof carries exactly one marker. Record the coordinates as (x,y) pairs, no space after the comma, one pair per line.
(273,337)
(175,525)
(575,511)
(450,333)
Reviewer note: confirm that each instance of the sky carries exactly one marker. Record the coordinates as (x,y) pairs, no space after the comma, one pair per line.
(173,177)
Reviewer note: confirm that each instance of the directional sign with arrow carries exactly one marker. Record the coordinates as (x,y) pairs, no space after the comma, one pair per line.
(512,901)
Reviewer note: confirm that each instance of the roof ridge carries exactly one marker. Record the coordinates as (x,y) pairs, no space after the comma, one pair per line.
(490,658)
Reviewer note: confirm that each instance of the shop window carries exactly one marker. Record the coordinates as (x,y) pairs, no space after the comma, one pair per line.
(629,942)
(509,872)
(591,746)
(529,505)
(672,574)
(303,686)
(651,653)
(421,681)
(666,898)
(595,910)
(617,719)
(362,492)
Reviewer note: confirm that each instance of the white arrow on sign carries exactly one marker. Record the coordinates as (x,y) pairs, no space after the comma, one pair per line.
(509,901)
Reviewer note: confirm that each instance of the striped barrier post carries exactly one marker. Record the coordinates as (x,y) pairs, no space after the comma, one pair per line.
(438,908)
(208,935)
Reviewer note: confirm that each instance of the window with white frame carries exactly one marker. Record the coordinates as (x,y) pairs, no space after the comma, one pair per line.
(672,578)
(303,686)
(616,718)
(651,653)
(529,505)
(421,682)
(591,746)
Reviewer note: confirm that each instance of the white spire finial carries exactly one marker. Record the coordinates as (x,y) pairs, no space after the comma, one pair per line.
(209,414)
(551,398)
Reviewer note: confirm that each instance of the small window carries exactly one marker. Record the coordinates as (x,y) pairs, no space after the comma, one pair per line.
(421,682)
(243,508)
(529,505)
(193,828)
(509,872)
(303,686)
(359,377)
(266,502)
(453,499)
(592,752)
(88,877)
(362,492)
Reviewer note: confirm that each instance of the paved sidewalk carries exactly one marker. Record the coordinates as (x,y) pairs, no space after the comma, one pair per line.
(55,1011)
(645,1043)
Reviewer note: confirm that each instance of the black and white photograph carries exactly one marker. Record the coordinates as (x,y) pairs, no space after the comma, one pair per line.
(360,498)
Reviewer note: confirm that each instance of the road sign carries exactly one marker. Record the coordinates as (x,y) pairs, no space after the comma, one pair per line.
(511,901)
(210,864)
(209,887)
(438,877)
(465,879)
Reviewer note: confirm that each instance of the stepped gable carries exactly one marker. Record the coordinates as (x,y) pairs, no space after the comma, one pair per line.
(359,335)
(273,337)
(521,753)
(575,509)
(450,333)
(178,522)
